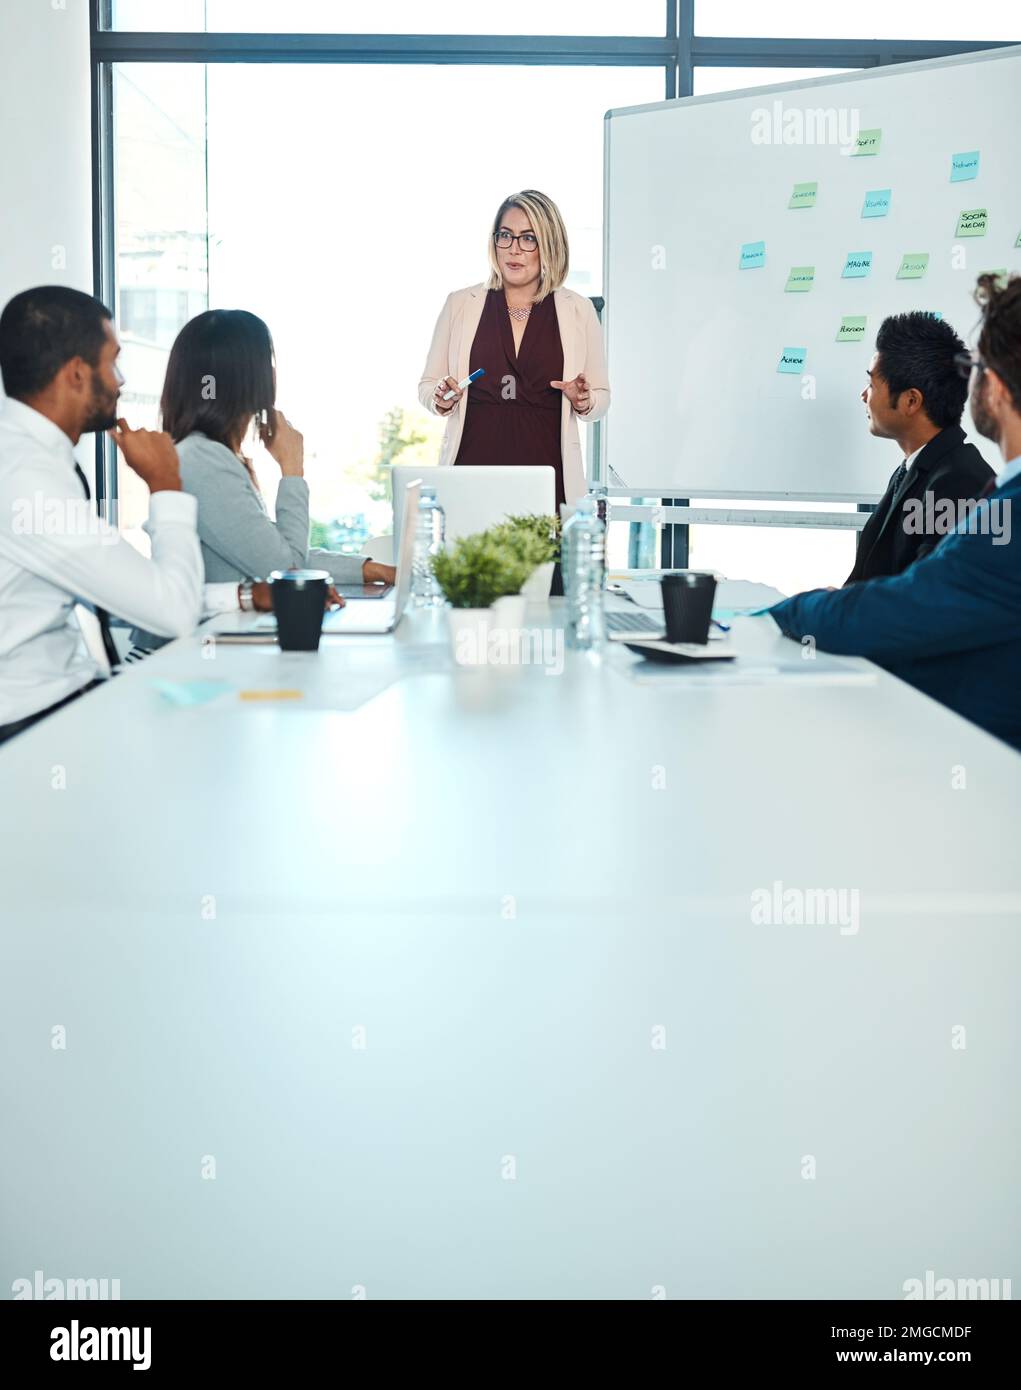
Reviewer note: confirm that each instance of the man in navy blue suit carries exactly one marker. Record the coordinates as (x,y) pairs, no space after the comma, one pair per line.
(951,624)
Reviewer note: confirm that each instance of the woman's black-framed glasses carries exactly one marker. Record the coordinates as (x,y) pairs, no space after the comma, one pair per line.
(965,362)
(527,241)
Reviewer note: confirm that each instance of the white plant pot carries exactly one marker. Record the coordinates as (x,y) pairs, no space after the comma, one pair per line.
(538,584)
(472,629)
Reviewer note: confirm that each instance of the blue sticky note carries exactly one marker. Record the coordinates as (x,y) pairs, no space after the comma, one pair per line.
(877,203)
(753,255)
(189,692)
(964,166)
(857,265)
(792,360)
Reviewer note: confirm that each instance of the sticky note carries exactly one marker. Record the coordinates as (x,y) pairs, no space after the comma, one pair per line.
(964,166)
(1000,274)
(803,195)
(1018,242)
(852,329)
(186,693)
(270,694)
(877,202)
(792,360)
(858,265)
(972,223)
(753,255)
(913,265)
(799,281)
(867,142)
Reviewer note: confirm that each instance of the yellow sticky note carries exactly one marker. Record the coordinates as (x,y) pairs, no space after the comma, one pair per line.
(271,694)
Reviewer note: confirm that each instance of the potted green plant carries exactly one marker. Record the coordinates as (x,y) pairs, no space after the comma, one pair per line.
(538,537)
(482,577)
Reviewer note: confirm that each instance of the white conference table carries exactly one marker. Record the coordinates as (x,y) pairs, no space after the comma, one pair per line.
(455,977)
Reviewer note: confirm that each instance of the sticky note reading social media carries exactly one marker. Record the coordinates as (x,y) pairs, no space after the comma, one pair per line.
(867,142)
(753,255)
(964,166)
(799,281)
(972,223)
(857,265)
(852,329)
(877,202)
(792,360)
(913,266)
(804,195)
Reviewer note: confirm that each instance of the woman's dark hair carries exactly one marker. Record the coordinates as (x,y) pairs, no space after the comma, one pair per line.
(999,342)
(219,375)
(917,350)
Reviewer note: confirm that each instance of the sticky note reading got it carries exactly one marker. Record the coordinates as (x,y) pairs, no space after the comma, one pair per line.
(964,167)
(753,255)
(972,223)
(792,360)
(877,203)
(913,266)
(867,142)
(852,329)
(799,281)
(858,265)
(804,195)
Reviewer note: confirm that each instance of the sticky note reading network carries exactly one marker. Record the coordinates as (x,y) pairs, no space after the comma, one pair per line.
(877,203)
(753,255)
(799,281)
(792,360)
(858,265)
(867,142)
(803,195)
(972,223)
(964,167)
(852,329)
(913,266)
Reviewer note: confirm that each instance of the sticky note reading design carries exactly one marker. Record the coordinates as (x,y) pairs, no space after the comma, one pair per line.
(972,223)
(868,142)
(858,265)
(792,360)
(803,195)
(913,266)
(799,281)
(753,255)
(877,203)
(852,329)
(964,166)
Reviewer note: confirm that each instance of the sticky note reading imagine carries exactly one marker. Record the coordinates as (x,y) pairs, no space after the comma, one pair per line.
(973,222)
(799,281)
(877,202)
(852,329)
(857,265)
(753,255)
(964,166)
(804,195)
(867,142)
(913,266)
(792,360)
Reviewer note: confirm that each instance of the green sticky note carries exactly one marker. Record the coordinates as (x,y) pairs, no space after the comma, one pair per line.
(1000,274)
(799,281)
(803,195)
(792,359)
(973,222)
(913,265)
(1018,242)
(852,329)
(868,142)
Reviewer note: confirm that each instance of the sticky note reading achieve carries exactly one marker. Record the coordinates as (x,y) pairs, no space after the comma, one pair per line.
(753,255)
(792,360)
(972,223)
(913,266)
(799,281)
(964,166)
(803,195)
(858,265)
(867,142)
(877,203)
(852,329)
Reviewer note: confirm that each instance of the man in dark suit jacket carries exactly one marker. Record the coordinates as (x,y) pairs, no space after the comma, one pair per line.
(951,624)
(915,395)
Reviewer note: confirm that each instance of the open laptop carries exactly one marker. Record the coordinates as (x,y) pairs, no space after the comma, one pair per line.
(474,499)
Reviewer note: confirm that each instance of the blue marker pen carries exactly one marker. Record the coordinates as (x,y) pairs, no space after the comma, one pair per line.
(463,385)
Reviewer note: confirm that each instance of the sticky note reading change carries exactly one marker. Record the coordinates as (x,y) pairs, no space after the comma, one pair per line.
(803,195)
(867,142)
(799,281)
(792,360)
(964,167)
(877,203)
(753,255)
(852,329)
(972,223)
(913,266)
(858,265)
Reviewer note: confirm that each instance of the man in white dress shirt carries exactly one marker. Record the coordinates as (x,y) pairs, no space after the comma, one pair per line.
(58,358)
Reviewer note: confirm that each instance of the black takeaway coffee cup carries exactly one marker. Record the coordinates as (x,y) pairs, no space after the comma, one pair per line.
(299,601)
(688,605)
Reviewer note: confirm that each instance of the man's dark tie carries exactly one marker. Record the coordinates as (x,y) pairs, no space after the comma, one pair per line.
(101,613)
(898,478)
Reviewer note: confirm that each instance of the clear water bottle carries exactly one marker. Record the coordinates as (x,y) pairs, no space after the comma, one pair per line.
(583,548)
(430,531)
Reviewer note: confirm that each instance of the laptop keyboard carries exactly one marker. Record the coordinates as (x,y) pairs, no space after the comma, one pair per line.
(638,623)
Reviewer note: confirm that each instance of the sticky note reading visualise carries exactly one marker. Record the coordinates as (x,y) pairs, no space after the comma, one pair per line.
(867,142)
(792,360)
(972,223)
(913,266)
(877,203)
(964,166)
(803,195)
(857,265)
(753,255)
(799,281)
(852,329)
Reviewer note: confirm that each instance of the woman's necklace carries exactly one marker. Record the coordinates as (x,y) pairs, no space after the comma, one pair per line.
(520,314)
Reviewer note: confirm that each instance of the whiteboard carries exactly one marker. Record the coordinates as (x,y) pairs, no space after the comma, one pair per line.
(699,408)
